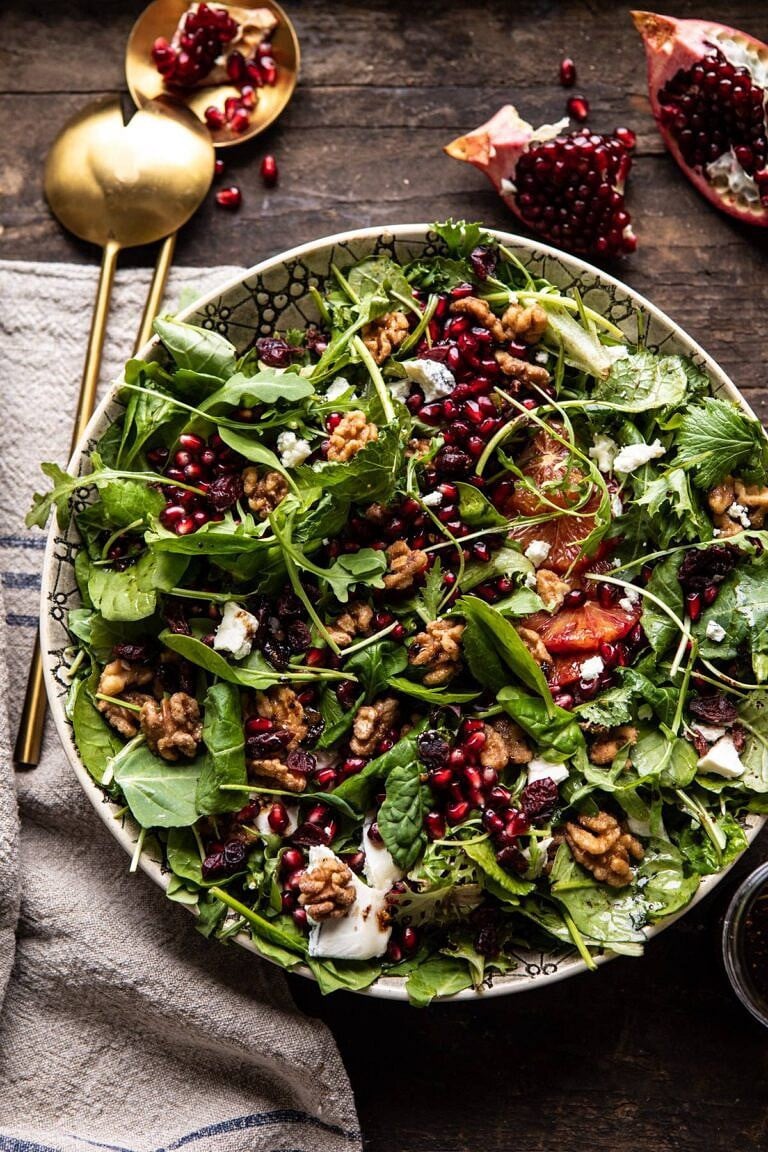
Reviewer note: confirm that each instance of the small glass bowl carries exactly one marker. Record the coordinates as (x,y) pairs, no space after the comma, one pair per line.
(734,944)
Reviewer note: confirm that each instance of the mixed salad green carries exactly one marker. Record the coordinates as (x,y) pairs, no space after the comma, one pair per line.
(431,632)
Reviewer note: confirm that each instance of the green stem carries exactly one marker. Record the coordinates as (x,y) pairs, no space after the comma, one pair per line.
(378,380)
(265,927)
(578,940)
(138,850)
(120,703)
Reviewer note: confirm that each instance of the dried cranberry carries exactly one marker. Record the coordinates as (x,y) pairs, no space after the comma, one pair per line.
(703,567)
(275,352)
(234,854)
(715,709)
(538,799)
(310,836)
(315,339)
(483,260)
(213,865)
(288,605)
(135,653)
(315,725)
(301,762)
(739,737)
(225,491)
(277,654)
(433,748)
(298,636)
(487,941)
(175,615)
(264,744)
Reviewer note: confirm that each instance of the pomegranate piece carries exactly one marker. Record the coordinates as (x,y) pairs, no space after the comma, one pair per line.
(707,86)
(230,198)
(210,45)
(268,171)
(578,107)
(567,187)
(567,72)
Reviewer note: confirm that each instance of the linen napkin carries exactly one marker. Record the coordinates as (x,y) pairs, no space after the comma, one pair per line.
(121,1027)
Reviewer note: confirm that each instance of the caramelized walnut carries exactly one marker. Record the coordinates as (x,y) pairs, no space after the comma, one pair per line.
(504,744)
(326,891)
(351,434)
(521,370)
(275,772)
(605,749)
(481,315)
(534,644)
(382,336)
(405,565)
(551,589)
(438,649)
(526,323)
(124,720)
(265,492)
(116,679)
(281,705)
(373,723)
(356,620)
(172,726)
(604,847)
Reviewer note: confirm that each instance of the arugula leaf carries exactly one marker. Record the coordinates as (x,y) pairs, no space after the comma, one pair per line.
(198,349)
(660,631)
(501,883)
(255,672)
(675,513)
(430,596)
(265,387)
(753,715)
(378,276)
(364,567)
(336,719)
(251,449)
(507,561)
(401,816)
(493,649)
(225,744)
(644,380)
(461,237)
(438,976)
(132,594)
(477,510)
(580,347)
(716,438)
(369,476)
(376,664)
(96,741)
(159,794)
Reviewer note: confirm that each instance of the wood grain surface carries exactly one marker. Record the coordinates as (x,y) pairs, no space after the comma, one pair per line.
(654,1054)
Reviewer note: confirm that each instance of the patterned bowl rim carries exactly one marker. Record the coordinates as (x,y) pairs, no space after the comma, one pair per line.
(554,966)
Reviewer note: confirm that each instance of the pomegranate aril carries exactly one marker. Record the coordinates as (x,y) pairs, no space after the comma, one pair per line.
(567,72)
(268,171)
(693,605)
(268,69)
(299,917)
(326,778)
(435,825)
(236,67)
(291,860)
(626,136)
(457,811)
(229,197)
(240,120)
(578,107)
(278,818)
(185,526)
(215,120)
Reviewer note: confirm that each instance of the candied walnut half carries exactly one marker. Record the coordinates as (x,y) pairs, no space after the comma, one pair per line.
(281,705)
(385,334)
(275,772)
(521,370)
(405,565)
(326,892)
(605,748)
(438,649)
(373,723)
(116,679)
(124,720)
(351,434)
(481,315)
(265,492)
(604,847)
(504,744)
(525,322)
(356,620)
(551,589)
(535,645)
(172,726)
(753,497)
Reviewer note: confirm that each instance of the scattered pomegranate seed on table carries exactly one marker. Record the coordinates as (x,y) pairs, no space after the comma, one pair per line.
(230,197)
(268,171)
(567,72)
(578,107)
(218,167)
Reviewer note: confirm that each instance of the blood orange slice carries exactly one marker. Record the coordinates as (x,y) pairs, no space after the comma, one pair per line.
(582,629)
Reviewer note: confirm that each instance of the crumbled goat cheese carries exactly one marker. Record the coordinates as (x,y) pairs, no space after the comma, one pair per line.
(380,870)
(635,455)
(432,499)
(537,552)
(616,505)
(362,932)
(337,388)
(293,451)
(603,451)
(541,357)
(590,669)
(543,770)
(710,732)
(629,599)
(236,632)
(399,389)
(740,514)
(722,759)
(434,379)
(715,632)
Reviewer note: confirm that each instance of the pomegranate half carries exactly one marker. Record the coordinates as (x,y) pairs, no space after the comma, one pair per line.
(707,85)
(567,187)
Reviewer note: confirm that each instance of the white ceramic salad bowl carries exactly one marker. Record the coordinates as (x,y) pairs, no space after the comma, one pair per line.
(274,295)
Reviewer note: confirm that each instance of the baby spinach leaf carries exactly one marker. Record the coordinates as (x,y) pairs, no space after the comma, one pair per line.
(344,975)
(753,715)
(661,876)
(493,650)
(476,510)
(662,759)
(251,449)
(438,976)
(700,852)
(644,380)
(715,438)
(401,816)
(183,856)
(224,537)
(159,794)
(132,594)
(503,884)
(198,349)
(357,790)
(99,636)
(254,673)
(225,744)
(96,741)
(439,696)
(610,916)
(126,501)
(376,664)
(554,729)
(659,629)
(281,931)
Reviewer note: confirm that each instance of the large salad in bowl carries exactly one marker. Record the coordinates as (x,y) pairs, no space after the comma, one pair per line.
(431,630)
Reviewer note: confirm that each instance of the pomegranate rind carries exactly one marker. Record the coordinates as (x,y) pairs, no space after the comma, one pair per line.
(672,44)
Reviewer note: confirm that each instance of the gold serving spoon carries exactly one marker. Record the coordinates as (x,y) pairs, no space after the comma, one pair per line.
(117,185)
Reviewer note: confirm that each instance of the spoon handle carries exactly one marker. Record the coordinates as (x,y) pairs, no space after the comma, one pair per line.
(156,291)
(26,753)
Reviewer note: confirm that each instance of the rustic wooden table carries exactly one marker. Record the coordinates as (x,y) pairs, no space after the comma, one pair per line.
(648,1054)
